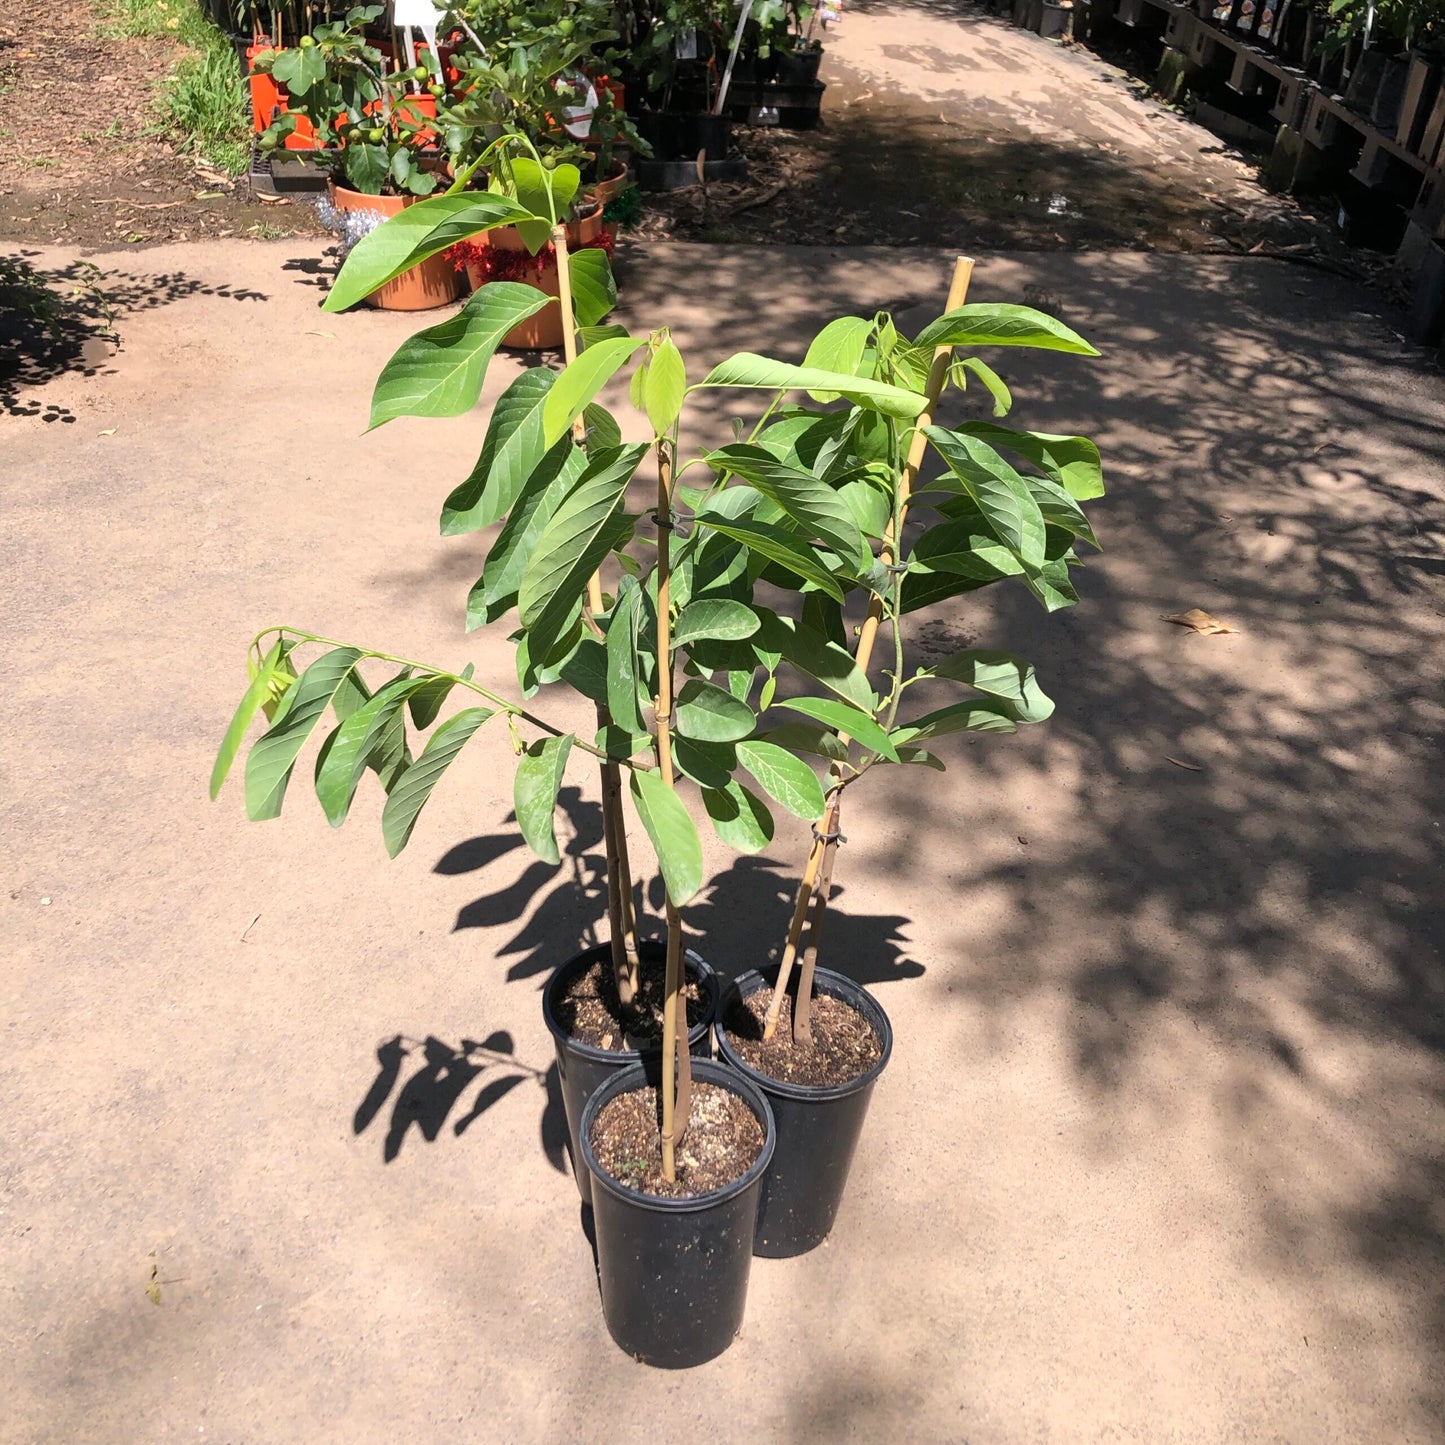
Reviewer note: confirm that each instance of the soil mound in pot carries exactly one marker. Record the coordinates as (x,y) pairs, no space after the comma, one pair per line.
(723,1140)
(591,1013)
(844,1045)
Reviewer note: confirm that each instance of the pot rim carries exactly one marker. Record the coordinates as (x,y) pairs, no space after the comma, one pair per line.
(837,985)
(705,1071)
(706,976)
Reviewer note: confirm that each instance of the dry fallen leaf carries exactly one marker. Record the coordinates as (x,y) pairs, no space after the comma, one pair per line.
(108,432)
(1180,763)
(1198,620)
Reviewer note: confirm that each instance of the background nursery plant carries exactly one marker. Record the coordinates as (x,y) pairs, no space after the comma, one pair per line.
(656,617)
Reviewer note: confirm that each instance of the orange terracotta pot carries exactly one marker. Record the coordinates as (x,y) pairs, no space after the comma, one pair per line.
(542,332)
(432,283)
(603,191)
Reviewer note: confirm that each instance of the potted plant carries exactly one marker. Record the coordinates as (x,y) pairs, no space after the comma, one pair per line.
(656,618)
(778,65)
(374,129)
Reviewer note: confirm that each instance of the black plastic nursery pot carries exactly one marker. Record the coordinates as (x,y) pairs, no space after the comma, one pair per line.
(680,135)
(674,1272)
(818,1127)
(583,1068)
(801,66)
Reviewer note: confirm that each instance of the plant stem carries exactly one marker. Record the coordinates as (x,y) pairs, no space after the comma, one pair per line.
(623,926)
(676,1086)
(892,541)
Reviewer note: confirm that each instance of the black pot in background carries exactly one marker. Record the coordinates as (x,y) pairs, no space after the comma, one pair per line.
(583,1067)
(680,135)
(818,1128)
(674,1272)
(800,67)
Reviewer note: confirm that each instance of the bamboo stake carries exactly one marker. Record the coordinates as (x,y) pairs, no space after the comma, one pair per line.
(614,829)
(676,1091)
(867,635)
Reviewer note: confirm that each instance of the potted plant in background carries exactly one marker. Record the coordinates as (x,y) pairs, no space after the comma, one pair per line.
(375,129)
(813,502)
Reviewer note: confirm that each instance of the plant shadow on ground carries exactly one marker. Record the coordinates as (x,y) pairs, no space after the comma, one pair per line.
(443,1073)
(741,917)
(63,319)
(738,922)
(1264,434)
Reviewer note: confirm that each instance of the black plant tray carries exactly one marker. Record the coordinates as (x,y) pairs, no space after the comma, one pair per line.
(678,175)
(799,107)
(286,173)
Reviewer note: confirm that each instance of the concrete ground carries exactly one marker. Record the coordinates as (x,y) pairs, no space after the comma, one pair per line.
(1161,1150)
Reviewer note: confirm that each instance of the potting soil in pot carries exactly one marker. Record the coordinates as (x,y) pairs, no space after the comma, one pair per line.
(843,1046)
(723,1139)
(591,1012)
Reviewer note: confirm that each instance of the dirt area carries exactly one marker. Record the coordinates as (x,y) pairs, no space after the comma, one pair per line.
(77,166)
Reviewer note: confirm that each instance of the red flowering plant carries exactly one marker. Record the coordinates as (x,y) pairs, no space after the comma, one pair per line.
(496,264)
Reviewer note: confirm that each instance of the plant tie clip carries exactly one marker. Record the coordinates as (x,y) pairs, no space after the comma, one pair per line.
(836,836)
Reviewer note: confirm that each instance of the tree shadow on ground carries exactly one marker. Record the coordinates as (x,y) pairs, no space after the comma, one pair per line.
(63,319)
(1280,890)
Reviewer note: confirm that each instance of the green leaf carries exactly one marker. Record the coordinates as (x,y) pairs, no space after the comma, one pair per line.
(922,758)
(972,717)
(739,817)
(815,655)
(1051,585)
(1073,462)
(251,701)
(511,451)
(587,524)
(1000,674)
(838,347)
(299,68)
(426,701)
(870,505)
(416,233)
(673,833)
(415,785)
(776,545)
(664,387)
(586,671)
(581,382)
(622,680)
(844,719)
(367,168)
(594,292)
(1002,396)
(544,193)
(994,324)
(709,714)
(750,370)
(269,765)
(1001,495)
(812,503)
(534,794)
(506,563)
(602,430)
(1059,509)
(439,371)
(719,618)
(620,744)
(784,778)
(344,759)
(807,738)
(709,765)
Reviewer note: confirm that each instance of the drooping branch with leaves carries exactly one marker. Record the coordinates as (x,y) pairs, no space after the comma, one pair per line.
(711,702)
